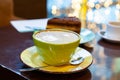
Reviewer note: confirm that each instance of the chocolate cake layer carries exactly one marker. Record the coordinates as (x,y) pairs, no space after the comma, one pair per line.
(70,23)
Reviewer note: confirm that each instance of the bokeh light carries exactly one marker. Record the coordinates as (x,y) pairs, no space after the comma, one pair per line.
(99,11)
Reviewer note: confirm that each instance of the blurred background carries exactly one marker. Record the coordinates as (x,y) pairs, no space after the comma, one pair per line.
(92,11)
(99,11)
(30,9)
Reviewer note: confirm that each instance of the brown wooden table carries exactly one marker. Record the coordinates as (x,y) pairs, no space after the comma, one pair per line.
(105,66)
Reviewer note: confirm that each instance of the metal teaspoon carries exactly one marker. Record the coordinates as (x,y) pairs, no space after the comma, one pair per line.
(72,62)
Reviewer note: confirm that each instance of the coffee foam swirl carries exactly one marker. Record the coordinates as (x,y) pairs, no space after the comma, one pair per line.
(57,37)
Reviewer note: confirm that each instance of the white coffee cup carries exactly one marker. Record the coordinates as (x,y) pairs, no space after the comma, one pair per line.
(113,30)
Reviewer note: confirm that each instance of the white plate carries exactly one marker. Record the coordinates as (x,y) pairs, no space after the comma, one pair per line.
(29,25)
(102,34)
(86,35)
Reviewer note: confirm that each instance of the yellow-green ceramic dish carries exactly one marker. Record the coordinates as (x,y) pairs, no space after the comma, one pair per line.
(31,58)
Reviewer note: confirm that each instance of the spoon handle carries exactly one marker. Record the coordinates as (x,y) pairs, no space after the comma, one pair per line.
(32,69)
(72,62)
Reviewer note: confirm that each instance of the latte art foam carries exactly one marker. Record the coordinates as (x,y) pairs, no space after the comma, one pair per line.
(56,37)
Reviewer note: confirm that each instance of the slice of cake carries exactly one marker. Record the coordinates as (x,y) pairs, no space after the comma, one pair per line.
(70,23)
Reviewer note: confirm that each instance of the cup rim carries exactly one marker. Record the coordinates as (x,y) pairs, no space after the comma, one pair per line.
(112,23)
(112,36)
(56,29)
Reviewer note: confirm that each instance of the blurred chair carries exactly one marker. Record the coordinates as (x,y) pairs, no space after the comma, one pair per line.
(6,12)
(30,9)
(21,9)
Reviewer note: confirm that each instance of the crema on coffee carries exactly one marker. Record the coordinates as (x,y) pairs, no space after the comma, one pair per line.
(56,37)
